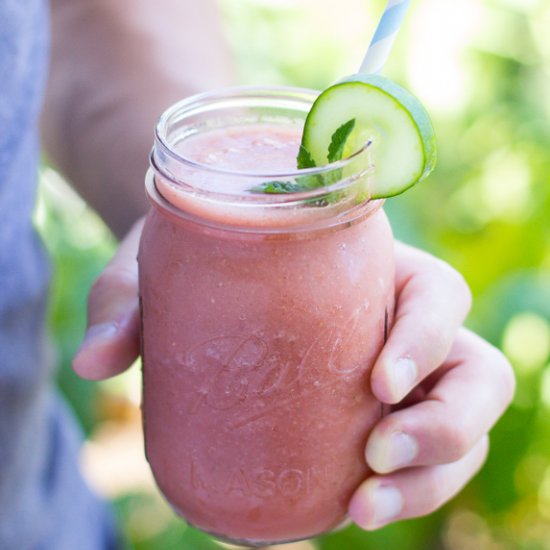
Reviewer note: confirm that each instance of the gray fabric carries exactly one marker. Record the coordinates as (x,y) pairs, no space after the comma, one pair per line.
(44,504)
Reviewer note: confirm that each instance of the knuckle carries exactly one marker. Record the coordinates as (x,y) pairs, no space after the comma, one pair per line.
(97,288)
(496,365)
(506,377)
(500,370)
(457,283)
(484,445)
(437,486)
(457,442)
(118,277)
(435,494)
(435,336)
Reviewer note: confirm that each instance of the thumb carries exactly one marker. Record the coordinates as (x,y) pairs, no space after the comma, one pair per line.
(111,342)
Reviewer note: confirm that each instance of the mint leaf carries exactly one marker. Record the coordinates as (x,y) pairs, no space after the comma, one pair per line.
(304,159)
(338,141)
(303,183)
(310,182)
(278,187)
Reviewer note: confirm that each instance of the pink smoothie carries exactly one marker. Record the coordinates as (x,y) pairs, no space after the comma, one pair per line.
(258,346)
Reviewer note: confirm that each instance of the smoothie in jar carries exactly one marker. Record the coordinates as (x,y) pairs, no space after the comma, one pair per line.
(262,317)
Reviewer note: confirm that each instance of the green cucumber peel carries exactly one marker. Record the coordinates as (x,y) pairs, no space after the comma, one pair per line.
(412,104)
(403,148)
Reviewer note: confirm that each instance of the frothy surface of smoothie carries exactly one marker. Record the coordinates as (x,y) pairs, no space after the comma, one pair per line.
(254,149)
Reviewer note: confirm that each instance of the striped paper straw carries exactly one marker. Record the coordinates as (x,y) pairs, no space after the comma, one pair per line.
(384,37)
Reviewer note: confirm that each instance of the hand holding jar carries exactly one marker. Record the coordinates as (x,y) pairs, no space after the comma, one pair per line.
(275,330)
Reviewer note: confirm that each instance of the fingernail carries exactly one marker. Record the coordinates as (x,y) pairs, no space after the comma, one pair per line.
(84,359)
(402,450)
(402,377)
(387,503)
(374,505)
(99,333)
(387,454)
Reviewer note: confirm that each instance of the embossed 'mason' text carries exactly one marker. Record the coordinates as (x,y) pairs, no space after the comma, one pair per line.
(260,482)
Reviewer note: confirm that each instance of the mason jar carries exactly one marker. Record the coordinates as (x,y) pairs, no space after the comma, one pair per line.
(262,315)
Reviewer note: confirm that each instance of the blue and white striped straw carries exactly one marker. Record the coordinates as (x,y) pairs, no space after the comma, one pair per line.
(384,37)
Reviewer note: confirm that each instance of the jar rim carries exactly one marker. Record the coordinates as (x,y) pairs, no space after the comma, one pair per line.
(165,119)
(163,153)
(206,193)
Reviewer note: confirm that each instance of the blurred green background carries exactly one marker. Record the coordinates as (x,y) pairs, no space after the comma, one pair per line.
(482,67)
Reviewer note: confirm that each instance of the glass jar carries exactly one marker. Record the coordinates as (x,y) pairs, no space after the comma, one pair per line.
(262,316)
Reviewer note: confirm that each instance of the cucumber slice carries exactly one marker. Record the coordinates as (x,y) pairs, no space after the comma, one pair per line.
(403,149)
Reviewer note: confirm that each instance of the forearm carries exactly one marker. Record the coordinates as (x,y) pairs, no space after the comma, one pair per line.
(115,67)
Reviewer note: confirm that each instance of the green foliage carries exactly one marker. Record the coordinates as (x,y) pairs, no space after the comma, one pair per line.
(486,210)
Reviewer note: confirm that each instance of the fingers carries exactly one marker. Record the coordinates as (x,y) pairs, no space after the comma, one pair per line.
(432,302)
(463,405)
(413,492)
(111,342)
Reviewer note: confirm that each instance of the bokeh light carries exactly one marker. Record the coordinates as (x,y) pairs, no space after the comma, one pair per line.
(527,342)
